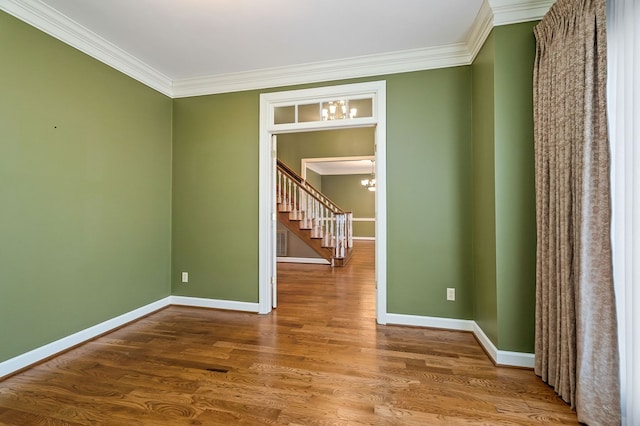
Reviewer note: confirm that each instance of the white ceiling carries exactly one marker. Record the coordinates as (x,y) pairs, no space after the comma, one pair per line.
(341,167)
(196,38)
(189,47)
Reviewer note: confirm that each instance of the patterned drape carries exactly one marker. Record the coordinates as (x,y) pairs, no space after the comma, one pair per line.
(576,334)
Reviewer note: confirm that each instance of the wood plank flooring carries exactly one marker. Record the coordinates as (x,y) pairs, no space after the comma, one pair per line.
(319,359)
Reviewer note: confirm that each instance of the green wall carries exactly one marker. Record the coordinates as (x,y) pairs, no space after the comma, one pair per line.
(515,186)
(504,192)
(314,179)
(347,192)
(429,192)
(85,180)
(215,196)
(484,215)
(215,214)
(293,147)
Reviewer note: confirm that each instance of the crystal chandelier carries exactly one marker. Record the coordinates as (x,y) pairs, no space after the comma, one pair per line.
(370,184)
(336,110)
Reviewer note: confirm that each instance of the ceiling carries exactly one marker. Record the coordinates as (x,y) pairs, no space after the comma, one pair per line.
(341,166)
(195,38)
(190,47)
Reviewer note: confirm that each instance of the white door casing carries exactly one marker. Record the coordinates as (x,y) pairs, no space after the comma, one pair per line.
(267,209)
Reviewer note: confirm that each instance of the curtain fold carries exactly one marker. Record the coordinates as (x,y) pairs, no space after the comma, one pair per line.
(576,332)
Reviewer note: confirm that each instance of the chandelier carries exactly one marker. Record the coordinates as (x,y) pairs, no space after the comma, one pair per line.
(370,184)
(336,110)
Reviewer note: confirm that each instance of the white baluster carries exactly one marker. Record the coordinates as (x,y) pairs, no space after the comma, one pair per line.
(332,231)
(325,228)
(314,216)
(303,209)
(350,229)
(319,220)
(294,214)
(340,240)
(283,205)
(278,187)
(307,212)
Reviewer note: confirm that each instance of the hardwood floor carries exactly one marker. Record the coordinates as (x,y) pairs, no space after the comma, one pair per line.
(319,359)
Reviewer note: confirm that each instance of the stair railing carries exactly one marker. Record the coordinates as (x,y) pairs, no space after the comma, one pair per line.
(315,211)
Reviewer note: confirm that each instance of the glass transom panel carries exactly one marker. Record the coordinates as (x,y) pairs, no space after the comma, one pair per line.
(326,110)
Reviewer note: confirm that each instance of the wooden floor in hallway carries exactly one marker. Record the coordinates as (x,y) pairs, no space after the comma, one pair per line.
(318,359)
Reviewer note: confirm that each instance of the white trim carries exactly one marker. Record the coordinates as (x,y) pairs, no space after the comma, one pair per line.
(492,12)
(516,359)
(485,342)
(506,358)
(199,302)
(431,322)
(365,238)
(52,22)
(10,366)
(364,219)
(506,12)
(375,89)
(305,161)
(266,213)
(499,357)
(34,356)
(381,205)
(313,260)
(362,66)
(480,30)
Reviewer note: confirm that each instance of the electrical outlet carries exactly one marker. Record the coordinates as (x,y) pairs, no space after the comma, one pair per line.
(185,277)
(451,294)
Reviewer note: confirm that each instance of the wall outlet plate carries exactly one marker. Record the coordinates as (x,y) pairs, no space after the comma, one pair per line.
(185,277)
(451,294)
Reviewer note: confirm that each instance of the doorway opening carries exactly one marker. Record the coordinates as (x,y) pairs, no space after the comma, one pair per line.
(307,110)
(335,163)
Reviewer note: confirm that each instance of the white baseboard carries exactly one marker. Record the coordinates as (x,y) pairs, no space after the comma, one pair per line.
(229,305)
(502,358)
(314,260)
(365,238)
(43,352)
(507,358)
(433,322)
(10,366)
(37,355)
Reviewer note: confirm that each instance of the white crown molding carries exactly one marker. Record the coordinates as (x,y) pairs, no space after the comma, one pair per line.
(363,66)
(507,12)
(480,30)
(52,22)
(492,13)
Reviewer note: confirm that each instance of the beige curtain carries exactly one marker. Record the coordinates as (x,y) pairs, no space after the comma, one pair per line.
(576,335)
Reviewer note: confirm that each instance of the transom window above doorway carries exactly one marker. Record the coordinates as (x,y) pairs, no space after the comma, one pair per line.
(324,110)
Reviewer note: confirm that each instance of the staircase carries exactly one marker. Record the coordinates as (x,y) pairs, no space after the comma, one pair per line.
(313,217)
